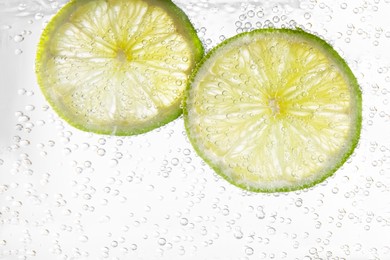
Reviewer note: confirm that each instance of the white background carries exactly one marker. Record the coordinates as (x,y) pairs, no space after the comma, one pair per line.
(67,194)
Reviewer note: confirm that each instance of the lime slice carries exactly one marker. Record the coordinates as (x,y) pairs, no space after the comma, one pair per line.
(117,67)
(273,110)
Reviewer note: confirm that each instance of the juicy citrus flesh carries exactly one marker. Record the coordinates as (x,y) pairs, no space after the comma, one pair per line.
(117,67)
(273,110)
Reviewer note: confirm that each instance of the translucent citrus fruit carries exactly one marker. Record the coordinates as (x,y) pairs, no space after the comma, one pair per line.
(117,67)
(273,110)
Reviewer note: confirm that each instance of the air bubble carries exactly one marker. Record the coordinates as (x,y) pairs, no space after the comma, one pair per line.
(183,221)
(179,82)
(292,23)
(18,38)
(101,152)
(251,13)
(175,161)
(271,230)
(22,91)
(87,196)
(299,202)
(23,119)
(40,123)
(24,142)
(118,155)
(102,141)
(238,234)
(247,25)
(30,107)
(113,163)
(38,16)
(66,151)
(225,212)
(260,14)
(6,27)
(162,241)
(105,219)
(343,5)
(307,16)
(249,251)
(83,239)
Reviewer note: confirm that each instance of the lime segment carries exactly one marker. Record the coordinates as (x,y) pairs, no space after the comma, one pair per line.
(116,66)
(273,110)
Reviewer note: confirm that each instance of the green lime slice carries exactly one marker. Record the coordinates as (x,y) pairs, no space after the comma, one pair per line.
(117,67)
(273,110)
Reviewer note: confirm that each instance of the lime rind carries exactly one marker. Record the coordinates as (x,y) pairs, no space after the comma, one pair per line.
(357,113)
(184,26)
